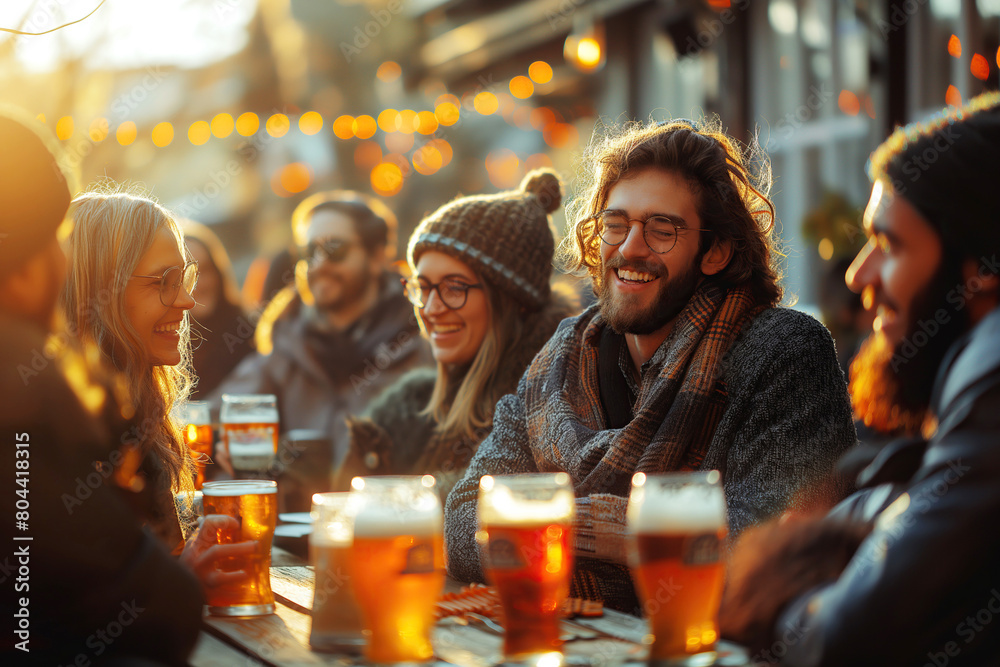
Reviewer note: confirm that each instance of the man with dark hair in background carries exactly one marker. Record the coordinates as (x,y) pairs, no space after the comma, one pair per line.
(76,562)
(685,362)
(922,587)
(330,343)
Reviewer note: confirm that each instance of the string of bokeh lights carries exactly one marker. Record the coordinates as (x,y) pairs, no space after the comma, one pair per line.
(389,170)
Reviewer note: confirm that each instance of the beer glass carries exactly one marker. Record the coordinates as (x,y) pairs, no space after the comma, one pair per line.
(336,619)
(193,418)
(254,505)
(250,431)
(676,531)
(526,539)
(397,565)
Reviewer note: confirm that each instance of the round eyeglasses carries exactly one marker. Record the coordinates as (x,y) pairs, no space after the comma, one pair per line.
(172,280)
(453,293)
(658,231)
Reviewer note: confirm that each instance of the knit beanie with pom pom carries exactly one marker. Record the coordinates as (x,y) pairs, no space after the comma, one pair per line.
(504,237)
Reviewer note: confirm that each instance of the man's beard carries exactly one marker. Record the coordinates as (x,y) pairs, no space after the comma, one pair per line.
(891,386)
(673,294)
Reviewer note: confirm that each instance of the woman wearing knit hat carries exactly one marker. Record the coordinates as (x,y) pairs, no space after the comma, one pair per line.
(480,288)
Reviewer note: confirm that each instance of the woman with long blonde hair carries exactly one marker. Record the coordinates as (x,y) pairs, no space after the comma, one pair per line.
(128,294)
(480,286)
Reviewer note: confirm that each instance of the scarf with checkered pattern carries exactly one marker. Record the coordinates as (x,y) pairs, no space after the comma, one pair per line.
(676,412)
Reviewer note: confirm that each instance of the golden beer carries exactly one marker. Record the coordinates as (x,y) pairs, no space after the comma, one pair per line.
(336,618)
(254,505)
(199,440)
(677,530)
(397,566)
(526,539)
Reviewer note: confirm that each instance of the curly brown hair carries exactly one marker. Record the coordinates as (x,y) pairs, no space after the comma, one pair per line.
(731,186)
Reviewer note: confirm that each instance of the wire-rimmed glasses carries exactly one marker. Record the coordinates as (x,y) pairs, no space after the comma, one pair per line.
(172,280)
(659,231)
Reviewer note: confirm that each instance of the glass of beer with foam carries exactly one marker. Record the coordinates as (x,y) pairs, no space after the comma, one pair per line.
(254,505)
(336,619)
(397,565)
(526,541)
(249,431)
(676,533)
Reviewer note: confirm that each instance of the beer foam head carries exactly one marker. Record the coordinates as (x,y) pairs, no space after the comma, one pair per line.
(237,488)
(502,503)
(380,521)
(684,509)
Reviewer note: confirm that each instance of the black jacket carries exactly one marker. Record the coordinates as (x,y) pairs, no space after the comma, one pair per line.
(924,587)
(93,582)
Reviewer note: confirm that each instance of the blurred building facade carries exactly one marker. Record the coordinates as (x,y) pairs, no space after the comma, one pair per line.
(418,101)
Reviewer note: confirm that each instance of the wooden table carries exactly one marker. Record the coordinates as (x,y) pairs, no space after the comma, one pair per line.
(282,639)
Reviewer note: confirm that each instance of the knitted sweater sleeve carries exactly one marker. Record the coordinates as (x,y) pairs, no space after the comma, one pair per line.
(505,451)
(789,421)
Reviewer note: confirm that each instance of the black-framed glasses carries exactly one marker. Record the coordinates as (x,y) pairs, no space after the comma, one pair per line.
(452,292)
(328,250)
(173,279)
(658,231)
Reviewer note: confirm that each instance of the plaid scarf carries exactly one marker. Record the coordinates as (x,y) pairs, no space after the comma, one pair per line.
(678,408)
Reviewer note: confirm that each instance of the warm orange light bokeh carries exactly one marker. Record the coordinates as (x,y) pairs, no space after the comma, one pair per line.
(849,103)
(343,127)
(389,71)
(521,87)
(163,134)
(427,159)
(386,179)
(364,127)
(295,177)
(64,128)
(953,97)
(444,148)
(247,124)
(954,47)
(408,121)
(277,125)
(540,72)
(980,67)
(541,117)
(199,133)
(560,135)
(222,125)
(446,113)
(427,122)
(388,120)
(126,133)
(486,103)
(311,122)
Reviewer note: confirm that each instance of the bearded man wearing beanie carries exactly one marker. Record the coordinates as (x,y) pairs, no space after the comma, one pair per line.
(904,572)
(685,363)
(78,559)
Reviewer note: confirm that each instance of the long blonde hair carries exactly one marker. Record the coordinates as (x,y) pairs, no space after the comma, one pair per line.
(113,228)
(462,403)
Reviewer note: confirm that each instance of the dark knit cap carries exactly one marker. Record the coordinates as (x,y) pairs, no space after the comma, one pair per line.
(504,237)
(34,195)
(948,168)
